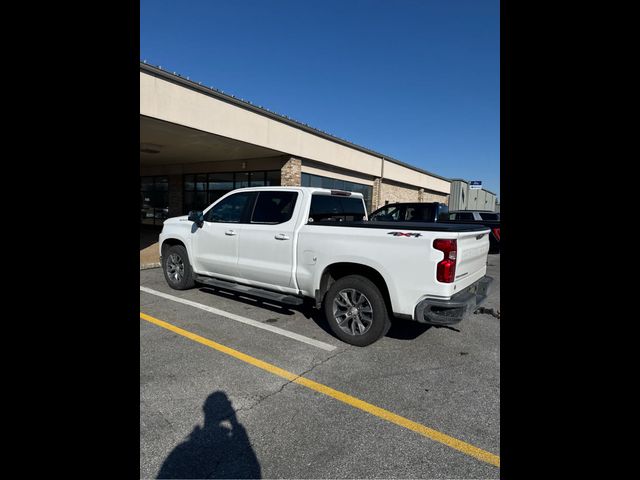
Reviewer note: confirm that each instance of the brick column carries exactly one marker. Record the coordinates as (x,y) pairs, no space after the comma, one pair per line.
(375,194)
(175,195)
(291,173)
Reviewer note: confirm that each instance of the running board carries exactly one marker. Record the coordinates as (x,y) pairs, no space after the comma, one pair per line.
(257,292)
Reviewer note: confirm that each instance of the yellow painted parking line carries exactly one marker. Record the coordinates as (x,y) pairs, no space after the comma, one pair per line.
(445,439)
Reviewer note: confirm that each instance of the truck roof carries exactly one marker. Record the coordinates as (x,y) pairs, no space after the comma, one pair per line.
(306,189)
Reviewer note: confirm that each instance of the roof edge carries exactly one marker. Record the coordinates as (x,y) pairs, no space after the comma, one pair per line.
(212,92)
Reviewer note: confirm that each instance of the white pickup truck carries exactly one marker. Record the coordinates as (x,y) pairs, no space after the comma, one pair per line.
(288,243)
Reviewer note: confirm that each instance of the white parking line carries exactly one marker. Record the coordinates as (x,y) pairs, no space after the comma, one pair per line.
(241,319)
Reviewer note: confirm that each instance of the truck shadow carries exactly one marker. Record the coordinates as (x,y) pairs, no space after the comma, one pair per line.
(400,329)
(220,448)
(406,329)
(307,309)
(247,299)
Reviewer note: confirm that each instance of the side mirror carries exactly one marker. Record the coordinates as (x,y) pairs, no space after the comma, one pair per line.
(196,216)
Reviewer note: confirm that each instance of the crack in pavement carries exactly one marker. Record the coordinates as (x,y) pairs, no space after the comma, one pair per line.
(416,371)
(309,370)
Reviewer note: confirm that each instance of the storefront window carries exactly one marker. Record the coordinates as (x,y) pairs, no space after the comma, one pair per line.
(242,179)
(154,200)
(202,189)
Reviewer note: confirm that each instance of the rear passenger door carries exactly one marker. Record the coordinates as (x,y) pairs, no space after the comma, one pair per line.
(265,248)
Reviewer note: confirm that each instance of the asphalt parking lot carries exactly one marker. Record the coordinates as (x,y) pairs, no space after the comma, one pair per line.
(210,409)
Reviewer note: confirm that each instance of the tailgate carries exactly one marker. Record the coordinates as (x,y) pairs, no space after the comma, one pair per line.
(471,263)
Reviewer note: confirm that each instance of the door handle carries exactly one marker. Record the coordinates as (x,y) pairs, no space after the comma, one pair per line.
(282,236)
(230,232)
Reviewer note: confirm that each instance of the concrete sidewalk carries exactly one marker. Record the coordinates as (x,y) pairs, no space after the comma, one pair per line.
(149,254)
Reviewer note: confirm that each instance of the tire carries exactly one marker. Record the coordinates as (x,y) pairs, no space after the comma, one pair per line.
(347,312)
(177,269)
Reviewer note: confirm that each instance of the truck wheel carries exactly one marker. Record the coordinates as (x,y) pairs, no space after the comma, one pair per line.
(177,269)
(356,311)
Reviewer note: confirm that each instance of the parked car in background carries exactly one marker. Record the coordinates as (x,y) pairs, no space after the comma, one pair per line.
(411,212)
(481,217)
(431,212)
(474,215)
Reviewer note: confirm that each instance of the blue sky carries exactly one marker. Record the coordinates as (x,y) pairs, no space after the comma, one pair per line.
(418,80)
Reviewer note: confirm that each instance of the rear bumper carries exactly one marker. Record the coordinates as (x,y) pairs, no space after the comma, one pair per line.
(449,312)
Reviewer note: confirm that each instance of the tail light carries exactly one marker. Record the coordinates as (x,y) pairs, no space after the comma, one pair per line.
(496,233)
(446,270)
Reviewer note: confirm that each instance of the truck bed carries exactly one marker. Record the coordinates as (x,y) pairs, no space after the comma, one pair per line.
(419,226)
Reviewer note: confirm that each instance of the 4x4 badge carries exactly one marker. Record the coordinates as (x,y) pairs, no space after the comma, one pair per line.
(403,234)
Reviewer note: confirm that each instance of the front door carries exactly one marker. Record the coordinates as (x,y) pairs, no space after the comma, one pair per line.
(216,243)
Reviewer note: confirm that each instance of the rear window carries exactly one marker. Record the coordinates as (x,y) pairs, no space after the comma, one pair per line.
(443,212)
(489,216)
(326,208)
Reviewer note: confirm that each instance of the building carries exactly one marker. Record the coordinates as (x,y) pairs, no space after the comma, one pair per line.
(464,198)
(198,143)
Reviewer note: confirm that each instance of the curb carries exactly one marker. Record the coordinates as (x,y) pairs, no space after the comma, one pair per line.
(147,266)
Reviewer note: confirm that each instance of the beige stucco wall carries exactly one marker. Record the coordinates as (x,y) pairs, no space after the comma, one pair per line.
(393,171)
(173,103)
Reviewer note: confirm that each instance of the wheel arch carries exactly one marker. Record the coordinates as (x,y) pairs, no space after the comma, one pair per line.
(338,270)
(169,242)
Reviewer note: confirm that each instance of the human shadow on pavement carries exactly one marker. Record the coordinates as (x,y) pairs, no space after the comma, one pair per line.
(218,449)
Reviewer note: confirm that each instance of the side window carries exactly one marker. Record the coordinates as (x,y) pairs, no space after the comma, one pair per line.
(380,215)
(335,208)
(274,207)
(489,216)
(395,213)
(465,216)
(232,209)
(388,214)
(411,215)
